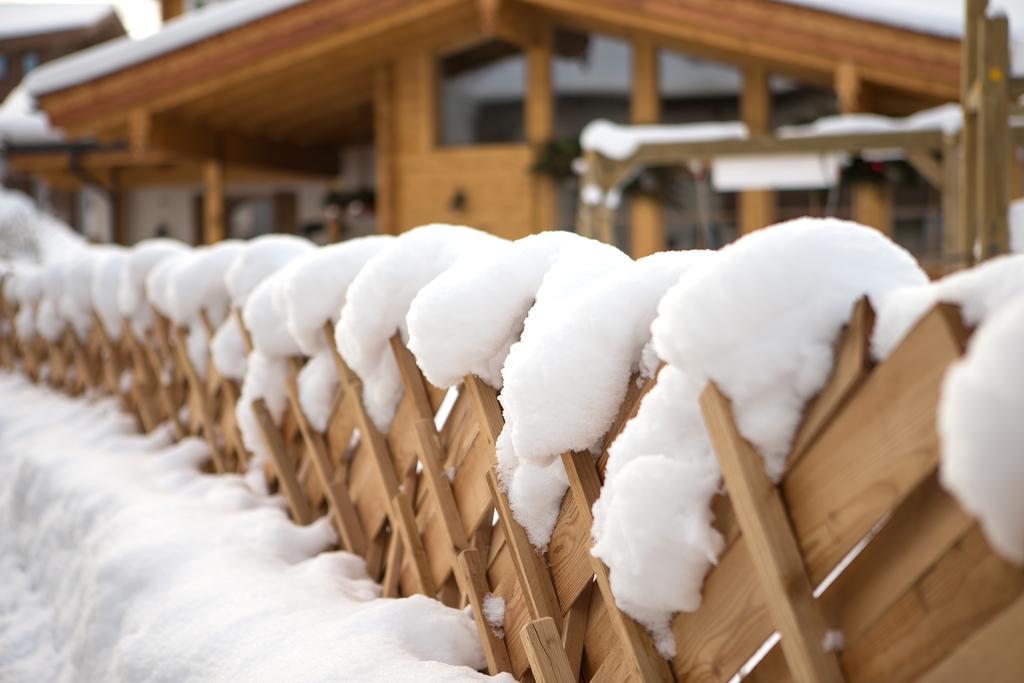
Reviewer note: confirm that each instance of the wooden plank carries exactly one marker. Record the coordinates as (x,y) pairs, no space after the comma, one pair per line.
(531,569)
(574,629)
(920,531)
(638,648)
(990,654)
(544,650)
(964,590)
(852,363)
(472,580)
(384,148)
(283,463)
(406,523)
(340,505)
(780,568)
(540,118)
(877,449)
(438,484)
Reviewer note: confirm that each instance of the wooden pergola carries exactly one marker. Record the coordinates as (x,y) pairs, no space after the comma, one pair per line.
(971,168)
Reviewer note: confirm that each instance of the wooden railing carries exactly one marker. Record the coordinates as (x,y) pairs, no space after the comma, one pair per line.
(858,547)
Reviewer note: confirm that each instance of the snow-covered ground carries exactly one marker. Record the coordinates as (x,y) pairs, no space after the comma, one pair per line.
(120,561)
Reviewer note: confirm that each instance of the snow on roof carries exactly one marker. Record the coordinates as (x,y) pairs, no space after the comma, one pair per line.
(18,20)
(107,58)
(617,141)
(943,18)
(946,118)
(21,122)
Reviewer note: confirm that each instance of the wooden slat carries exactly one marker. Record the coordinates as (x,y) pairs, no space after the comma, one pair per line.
(639,650)
(473,582)
(282,462)
(530,567)
(990,654)
(762,517)
(544,650)
(852,363)
(878,449)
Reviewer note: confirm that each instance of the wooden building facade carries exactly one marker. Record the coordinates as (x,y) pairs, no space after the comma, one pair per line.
(281,94)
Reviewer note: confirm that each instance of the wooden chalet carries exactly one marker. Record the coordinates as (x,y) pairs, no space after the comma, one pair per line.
(402,93)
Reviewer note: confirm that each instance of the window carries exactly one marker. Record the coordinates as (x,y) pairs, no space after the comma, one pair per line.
(592,79)
(3,67)
(481,95)
(29,61)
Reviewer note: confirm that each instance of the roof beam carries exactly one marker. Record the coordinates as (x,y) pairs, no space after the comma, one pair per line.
(149,134)
(511,20)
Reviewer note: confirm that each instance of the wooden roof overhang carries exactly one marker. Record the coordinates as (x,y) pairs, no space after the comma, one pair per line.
(805,43)
(300,83)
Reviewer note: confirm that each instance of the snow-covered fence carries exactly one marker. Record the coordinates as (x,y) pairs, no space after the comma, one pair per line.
(833,526)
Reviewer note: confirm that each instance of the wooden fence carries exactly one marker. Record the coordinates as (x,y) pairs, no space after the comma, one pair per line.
(859,539)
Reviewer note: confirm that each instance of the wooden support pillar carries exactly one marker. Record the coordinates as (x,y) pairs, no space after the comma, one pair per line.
(118,209)
(540,125)
(171,8)
(756,207)
(286,212)
(993,138)
(214,220)
(647,219)
(384,148)
(872,205)
(952,239)
(974,12)
(871,202)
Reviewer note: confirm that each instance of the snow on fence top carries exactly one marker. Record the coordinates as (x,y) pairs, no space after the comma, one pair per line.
(379,298)
(779,298)
(106,278)
(315,286)
(982,432)
(978,291)
(112,56)
(131,291)
(566,378)
(487,300)
(197,284)
(261,257)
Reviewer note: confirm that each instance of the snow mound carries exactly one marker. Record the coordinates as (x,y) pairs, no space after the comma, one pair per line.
(227,349)
(76,304)
(487,300)
(981,429)
(120,559)
(158,280)
(566,378)
(265,378)
(652,521)
(131,295)
(258,259)
(379,298)
(106,282)
(316,285)
(265,318)
(197,284)
(762,318)
(978,291)
(318,385)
